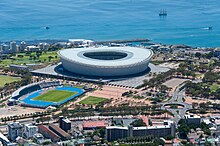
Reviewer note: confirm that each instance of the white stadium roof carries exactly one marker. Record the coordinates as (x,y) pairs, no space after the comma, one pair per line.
(134,56)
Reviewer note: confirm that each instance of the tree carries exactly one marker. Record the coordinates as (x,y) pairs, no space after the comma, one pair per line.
(50,57)
(138,123)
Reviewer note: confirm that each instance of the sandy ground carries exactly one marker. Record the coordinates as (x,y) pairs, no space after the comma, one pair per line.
(115,93)
(189,100)
(174,82)
(170,65)
(16,110)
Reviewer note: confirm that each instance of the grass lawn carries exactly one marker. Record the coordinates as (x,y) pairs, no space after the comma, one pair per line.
(91,100)
(25,59)
(55,96)
(214,87)
(7,79)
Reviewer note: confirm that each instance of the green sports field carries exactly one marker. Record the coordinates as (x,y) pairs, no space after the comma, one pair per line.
(91,100)
(7,79)
(55,96)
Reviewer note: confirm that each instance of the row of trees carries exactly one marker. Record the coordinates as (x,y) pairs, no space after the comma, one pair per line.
(112,111)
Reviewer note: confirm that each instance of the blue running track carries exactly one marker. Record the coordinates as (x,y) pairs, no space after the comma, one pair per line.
(37,103)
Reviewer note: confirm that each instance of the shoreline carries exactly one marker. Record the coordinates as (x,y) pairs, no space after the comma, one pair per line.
(142,41)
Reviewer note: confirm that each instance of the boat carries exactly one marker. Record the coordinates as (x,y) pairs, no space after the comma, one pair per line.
(46,27)
(163,12)
(210,28)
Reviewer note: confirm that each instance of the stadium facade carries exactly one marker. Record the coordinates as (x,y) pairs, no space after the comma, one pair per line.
(106,61)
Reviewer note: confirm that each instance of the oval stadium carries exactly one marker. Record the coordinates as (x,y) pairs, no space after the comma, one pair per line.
(105,61)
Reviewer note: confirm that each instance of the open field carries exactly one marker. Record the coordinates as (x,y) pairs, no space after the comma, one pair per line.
(91,100)
(55,96)
(22,58)
(7,79)
(17,110)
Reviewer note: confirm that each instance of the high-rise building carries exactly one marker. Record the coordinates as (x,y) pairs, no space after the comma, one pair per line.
(30,130)
(14,130)
(64,123)
(13,46)
(23,46)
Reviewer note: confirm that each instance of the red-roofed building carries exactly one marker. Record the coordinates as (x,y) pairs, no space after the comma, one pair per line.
(59,132)
(90,125)
(145,120)
(47,133)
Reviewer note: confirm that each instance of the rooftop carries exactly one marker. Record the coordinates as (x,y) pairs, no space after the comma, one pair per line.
(192,116)
(90,124)
(134,55)
(59,130)
(51,133)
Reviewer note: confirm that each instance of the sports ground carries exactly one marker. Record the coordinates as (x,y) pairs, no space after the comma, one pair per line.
(55,96)
(91,100)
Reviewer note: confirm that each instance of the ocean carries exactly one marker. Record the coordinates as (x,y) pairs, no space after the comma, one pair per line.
(187,21)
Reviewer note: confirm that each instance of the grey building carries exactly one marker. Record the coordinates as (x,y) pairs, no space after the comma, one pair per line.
(23,46)
(64,124)
(14,130)
(193,120)
(115,132)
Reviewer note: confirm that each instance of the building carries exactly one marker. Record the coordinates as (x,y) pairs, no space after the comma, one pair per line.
(106,61)
(193,120)
(63,135)
(18,67)
(64,124)
(30,130)
(43,46)
(23,46)
(47,133)
(13,46)
(32,48)
(14,130)
(4,47)
(81,42)
(117,132)
(92,125)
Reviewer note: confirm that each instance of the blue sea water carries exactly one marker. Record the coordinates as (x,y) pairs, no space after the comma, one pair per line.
(186,23)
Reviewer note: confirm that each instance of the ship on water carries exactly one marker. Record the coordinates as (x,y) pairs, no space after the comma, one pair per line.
(163,12)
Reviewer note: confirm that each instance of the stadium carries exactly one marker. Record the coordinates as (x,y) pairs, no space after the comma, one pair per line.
(44,94)
(105,61)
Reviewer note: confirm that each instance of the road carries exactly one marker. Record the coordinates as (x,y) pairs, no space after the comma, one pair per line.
(177,99)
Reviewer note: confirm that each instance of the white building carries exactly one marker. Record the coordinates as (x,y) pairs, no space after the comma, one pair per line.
(43,46)
(32,48)
(81,42)
(13,46)
(106,61)
(30,130)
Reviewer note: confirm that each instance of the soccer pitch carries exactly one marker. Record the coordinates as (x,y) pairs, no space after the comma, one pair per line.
(91,100)
(55,96)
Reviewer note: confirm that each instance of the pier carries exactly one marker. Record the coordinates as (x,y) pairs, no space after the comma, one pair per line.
(122,41)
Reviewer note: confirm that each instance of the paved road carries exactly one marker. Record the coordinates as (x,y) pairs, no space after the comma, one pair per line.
(177,99)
